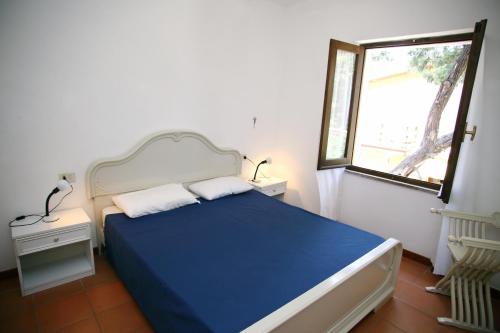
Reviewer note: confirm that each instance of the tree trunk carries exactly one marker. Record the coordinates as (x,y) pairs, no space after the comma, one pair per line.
(431,145)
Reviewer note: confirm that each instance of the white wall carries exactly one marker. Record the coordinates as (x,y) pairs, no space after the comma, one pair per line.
(88,79)
(83,80)
(392,211)
(383,208)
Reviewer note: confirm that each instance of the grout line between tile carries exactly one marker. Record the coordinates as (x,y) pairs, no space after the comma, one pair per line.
(88,301)
(410,282)
(394,324)
(414,307)
(94,314)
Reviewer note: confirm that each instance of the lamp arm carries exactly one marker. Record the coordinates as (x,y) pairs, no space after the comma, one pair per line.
(257,169)
(54,191)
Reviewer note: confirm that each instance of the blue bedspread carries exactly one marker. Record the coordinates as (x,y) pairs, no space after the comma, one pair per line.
(222,265)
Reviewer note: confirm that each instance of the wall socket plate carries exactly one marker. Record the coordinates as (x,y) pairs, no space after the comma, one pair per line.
(70,176)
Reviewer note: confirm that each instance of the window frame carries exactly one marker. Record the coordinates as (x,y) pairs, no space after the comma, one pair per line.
(476,39)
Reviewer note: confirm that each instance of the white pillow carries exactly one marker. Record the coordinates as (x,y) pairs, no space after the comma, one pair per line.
(220,187)
(154,200)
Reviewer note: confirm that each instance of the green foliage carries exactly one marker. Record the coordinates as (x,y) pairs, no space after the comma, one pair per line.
(435,63)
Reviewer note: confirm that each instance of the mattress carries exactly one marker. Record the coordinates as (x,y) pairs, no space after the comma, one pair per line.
(109,211)
(222,265)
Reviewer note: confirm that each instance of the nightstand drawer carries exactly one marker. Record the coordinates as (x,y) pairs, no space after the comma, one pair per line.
(270,186)
(275,189)
(48,240)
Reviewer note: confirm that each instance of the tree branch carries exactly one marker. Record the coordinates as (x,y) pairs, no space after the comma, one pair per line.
(413,161)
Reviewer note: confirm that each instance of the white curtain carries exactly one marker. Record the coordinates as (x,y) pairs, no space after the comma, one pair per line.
(464,193)
(329,184)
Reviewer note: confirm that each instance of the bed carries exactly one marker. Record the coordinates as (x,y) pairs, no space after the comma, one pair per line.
(245,262)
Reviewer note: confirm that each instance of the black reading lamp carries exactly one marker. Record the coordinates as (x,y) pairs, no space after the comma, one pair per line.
(61,186)
(266,161)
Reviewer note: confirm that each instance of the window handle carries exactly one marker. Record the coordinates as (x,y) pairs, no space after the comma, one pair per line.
(472,132)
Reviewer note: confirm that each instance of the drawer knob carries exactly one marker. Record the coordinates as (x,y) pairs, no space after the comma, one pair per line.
(56,239)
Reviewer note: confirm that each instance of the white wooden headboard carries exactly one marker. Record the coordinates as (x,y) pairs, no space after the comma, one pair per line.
(165,157)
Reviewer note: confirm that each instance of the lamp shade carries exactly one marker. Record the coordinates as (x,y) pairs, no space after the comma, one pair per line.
(62,185)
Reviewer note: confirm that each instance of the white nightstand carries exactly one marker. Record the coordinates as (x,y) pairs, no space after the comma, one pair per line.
(50,254)
(270,186)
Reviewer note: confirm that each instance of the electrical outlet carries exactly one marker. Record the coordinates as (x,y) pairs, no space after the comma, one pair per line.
(69,176)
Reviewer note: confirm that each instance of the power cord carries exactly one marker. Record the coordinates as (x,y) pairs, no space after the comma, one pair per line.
(22,217)
(249,160)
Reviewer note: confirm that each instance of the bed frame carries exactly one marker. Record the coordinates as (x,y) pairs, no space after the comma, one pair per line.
(334,305)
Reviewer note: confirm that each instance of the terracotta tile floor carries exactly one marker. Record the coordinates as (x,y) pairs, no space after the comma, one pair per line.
(99,303)
(412,309)
(102,304)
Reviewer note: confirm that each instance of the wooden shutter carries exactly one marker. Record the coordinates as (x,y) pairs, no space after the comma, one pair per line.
(340,106)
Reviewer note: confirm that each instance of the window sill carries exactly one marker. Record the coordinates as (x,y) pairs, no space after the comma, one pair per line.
(394,182)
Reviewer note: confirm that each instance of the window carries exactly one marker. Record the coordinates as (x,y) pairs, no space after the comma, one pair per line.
(398,109)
